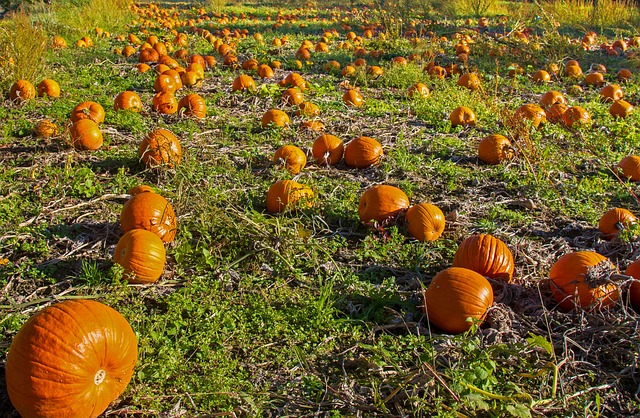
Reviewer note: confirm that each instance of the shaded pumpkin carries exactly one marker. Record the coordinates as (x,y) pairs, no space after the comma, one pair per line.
(165,102)
(275,117)
(85,135)
(328,149)
(620,109)
(462,116)
(142,255)
(362,152)
(469,80)
(352,97)
(494,149)
(381,202)
(308,109)
(594,79)
(555,112)
(486,255)
(149,211)
(46,129)
(22,90)
(292,157)
(623,75)
(418,90)
(455,295)
(312,125)
(614,221)
(88,110)
(160,147)
(59,366)
(48,87)
(541,77)
(629,167)
(287,194)
(576,116)
(128,100)
(425,222)
(531,112)
(611,93)
(193,105)
(634,289)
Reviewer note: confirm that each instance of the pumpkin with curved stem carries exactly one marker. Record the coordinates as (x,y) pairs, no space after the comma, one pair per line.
(243,82)
(165,102)
(328,149)
(85,135)
(425,222)
(88,110)
(455,295)
(22,90)
(352,97)
(470,81)
(614,221)
(193,105)
(49,87)
(581,280)
(381,202)
(462,116)
(494,149)
(486,255)
(275,117)
(286,194)
(620,109)
(611,93)
(149,211)
(160,147)
(531,112)
(576,116)
(362,152)
(142,255)
(292,157)
(634,289)
(128,100)
(60,366)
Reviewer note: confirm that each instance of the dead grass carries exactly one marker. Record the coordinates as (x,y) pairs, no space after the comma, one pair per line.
(607,14)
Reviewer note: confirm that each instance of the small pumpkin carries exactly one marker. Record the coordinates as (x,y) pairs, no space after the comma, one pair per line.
(634,289)
(308,109)
(362,152)
(623,75)
(573,71)
(531,112)
(88,110)
(418,90)
(541,77)
(580,280)
(630,167)
(486,255)
(48,87)
(142,255)
(165,102)
(275,117)
(292,157)
(46,129)
(288,193)
(381,202)
(352,97)
(576,116)
(193,105)
(149,211)
(462,116)
(437,72)
(620,109)
(455,295)
(550,98)
(160,147)
(85,135)
(611,93)
(128,100)
(425,222)
(243,82)
(594,79)
(469,80)
(328,149)
(292,97)
(312,125)
(614,221)
(165,83)
(494,149)
(555,112)
(22,90)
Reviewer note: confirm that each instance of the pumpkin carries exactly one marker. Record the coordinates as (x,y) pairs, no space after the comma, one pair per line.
(165,102)
(614,221)
(580,279)
(48,87)
(327,149)
(576,116)
(494,149)
(352,97)
(85,135)
(72,359)
(308,109)
(142,188)
(193,105)
(381,202)
(630,167)
(418,90)
(250,64)
(165,83)
(486,255)
(550,98)
(59,42)
(623,75)
(243,82)
(469,80)
(88,110)
(292,157)
(453,296)
(149,211)
(22,90)
(375,71)
(348,71)
(555,112)
(634,289)
(148,56)
(425,222)
(573,71)
(264,71)
(142,255)
(294,80)
(312,125)
(437,72)
(128,100)
(462,116)
(142,67)
(275,117)
(362,152)
(292,97)
(594,79)
(46,129)
(541,77)
(288,193)
(611,93)
(175,75)
(190,79)
(160,147)
(620,109)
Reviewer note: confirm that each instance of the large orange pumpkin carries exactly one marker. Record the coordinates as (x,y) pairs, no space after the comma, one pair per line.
(142,255)
(362,152)
(486,255)
(160,147)
(292,157)
(288,193)
(469,80)
(243,82)
(462,116)
(425,222)
(49,87)
(453,296)
(494,149)
(22,90)
(614,221)
(580,279)
(630,167)
(149,211)
(531,112)
(85,135)
(193,105)
(328,149)
(352,97)
(275,117)
(128,100)
(165,102)
(88,110)
(71,359)
(381,202)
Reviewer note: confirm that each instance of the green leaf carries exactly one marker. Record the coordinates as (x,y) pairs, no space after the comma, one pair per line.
(519,410)
(540,341)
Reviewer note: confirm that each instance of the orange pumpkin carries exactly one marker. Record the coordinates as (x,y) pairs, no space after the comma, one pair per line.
(308,109)
(494,149)
(486,255)
(634,289)
(381,202)
(418,90)
(555,112)
(160,147)
(362,152)
(165,83)
(165,102)
(128,100)
(620,109)
(71,359)
(576,116)
(573,71)
(288,193)
(275,117)
(437,72)
(292,97)
(630,167)
(531,112)
(611,93)
(425,222)
(49,87)
(453,296)
(462,116)
(149,211)
(352,97)
(469,80)
(85,135)
(22,90)
(550,98)
(580,279)
(312,125)
(142,255)
(264,71)
(292,157)
(541,77)
(193,105)
(46,129)
(624,75)
(88,110)
(594,79)
(243,82)
(328,149)
(614,221)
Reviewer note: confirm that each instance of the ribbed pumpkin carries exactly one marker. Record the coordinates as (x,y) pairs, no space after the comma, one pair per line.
(71,359)
(275,117)
(149,211)
(576,116)
(85,135)
(630,167)
(453,296)
(165,83)
(425,222)
(328,149)
(165,102)
(46,129)
(308,109)
(552,97)
(634,289)
(288,193)
(555,112)
(381,202)
(48,87)
(142,255)
(486,255)
(362,152)
(541,77)
(418,90)
(469,80)
(160,147)
(353,98)
(193,105)
(614,221)
(494,149)
(462,116)
(579,279)
(594,79)
(22,90)
(292,97)
(264,71)
(531,112)
(620,109)
(243,82)
(88,110)
(128,100)
(292,157)
(611,93)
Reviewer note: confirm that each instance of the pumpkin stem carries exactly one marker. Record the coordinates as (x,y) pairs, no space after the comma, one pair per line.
(99,377)
(619,226)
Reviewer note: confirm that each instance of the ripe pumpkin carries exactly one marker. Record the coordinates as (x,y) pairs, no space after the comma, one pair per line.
(486,255)
(381,202)
(462,116)
(573,71)
(494,149)
(362,152)
(328,149)
(292,97)
(288,193)
(594,79)
(294,80)
(555,112)
(418,90)
(128,100)
(352,97)
(312,125)
(634,290)
(425,222)
(614,221)
(149,211)
(193,105)
(348,71)
(541,77)
(534,113)
(611,93)
(264,71)
(623,75)
(46,129)
(437,72)
(160,147)
(165,83)
(88,110)
(85,135)
(552,97)
(243,82)
(453,296)
(60,366)
(292,157)
(142,255)
(308,109)
(59,42)
(22,90)
(576,116)
(630,166)
(470,81)
(579,279)
(620,109)
(165,102)
(275,117)
(49,87)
